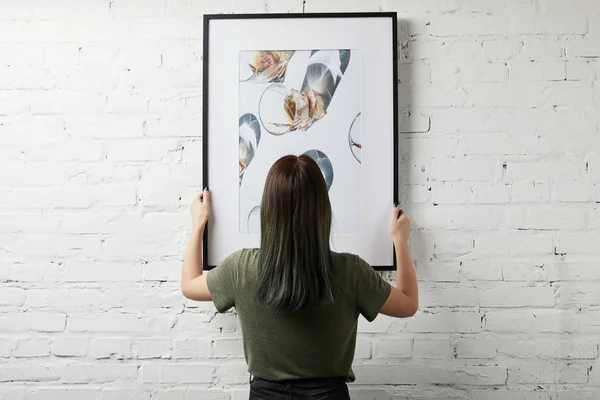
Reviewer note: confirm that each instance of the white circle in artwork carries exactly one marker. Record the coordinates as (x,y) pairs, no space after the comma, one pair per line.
(272,109)
(254,220)
(354,138)
(324,164)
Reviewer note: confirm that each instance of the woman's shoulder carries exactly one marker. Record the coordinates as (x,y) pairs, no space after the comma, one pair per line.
(245,254)
(346,259)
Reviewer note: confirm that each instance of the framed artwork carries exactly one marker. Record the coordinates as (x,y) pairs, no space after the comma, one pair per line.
(324,85)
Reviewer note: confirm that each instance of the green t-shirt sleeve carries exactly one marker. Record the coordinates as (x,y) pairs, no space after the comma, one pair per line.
(371,290)
(222,282)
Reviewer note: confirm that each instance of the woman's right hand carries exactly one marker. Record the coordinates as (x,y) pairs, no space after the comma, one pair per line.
(399,225)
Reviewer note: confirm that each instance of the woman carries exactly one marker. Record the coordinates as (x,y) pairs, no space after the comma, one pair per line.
(298,302)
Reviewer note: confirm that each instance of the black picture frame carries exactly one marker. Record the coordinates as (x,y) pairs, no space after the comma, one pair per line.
(206,88)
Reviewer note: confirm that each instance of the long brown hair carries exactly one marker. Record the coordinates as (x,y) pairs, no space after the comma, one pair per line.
(295,221)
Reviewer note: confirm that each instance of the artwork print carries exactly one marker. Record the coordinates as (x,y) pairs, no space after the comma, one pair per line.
(301,102)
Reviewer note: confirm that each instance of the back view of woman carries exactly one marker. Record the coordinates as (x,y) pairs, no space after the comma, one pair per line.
(298,302)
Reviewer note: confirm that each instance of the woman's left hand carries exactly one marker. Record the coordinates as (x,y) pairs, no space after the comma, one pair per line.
(200,208)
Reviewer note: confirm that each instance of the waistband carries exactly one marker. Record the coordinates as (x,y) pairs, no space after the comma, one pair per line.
(303,381)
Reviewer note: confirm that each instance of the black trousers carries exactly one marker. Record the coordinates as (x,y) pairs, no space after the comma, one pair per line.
(303,389)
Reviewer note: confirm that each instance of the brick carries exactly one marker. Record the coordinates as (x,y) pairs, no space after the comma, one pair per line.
(430,374)
(457,71)
(233,374)
(560,23)
(362,349)
(144,298)
(491,194)
(548,217)
(427,145)
(127,103)
(582,47)
(112,323)
(445,322)
(469,120)
(159,195)
(448,243)
(580,70)
(524,272)
(122,394)
(392,348)
(53,102)
(32,321)
(531,192)
(506,94)
(578,243)
(570,93)
(547,372)
(181,126)
(105,127)
(191,349)
(6,347)
(567,348)
(436,94)
(502,144)
(102,272)
(525,70)
(481,270)
(162,271)
(65,299)
(32,348)
(333,5)
(466,168)
(117,348)
(153,348)
(451,193)
(571,271)
(511,244)
(572,191)
(579,294)
(173,373)
(24,373)
(358,393)
(12,296)
(510,296)
(588,322)
(515,394)
(447,296)
(433,349)
(137,8)
(141,150)
(452,25)
(542,47)
(9,393)
(576,394)
(100,373)
(416,72)
(476,348)
(436,272)
(560,120)
(501,49)
(70,347)
(531,321)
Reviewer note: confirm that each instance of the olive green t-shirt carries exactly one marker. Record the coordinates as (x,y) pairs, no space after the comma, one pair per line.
(316,343)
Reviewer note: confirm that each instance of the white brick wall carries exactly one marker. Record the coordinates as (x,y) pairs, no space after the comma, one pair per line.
(100,151)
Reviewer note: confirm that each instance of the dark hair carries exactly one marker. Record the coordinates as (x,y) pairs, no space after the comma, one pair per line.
(295,221)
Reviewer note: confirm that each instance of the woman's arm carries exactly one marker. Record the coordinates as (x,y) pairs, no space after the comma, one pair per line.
(193,281)
(403,300)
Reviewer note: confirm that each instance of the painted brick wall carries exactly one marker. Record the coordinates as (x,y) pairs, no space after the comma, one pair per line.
(100,143)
